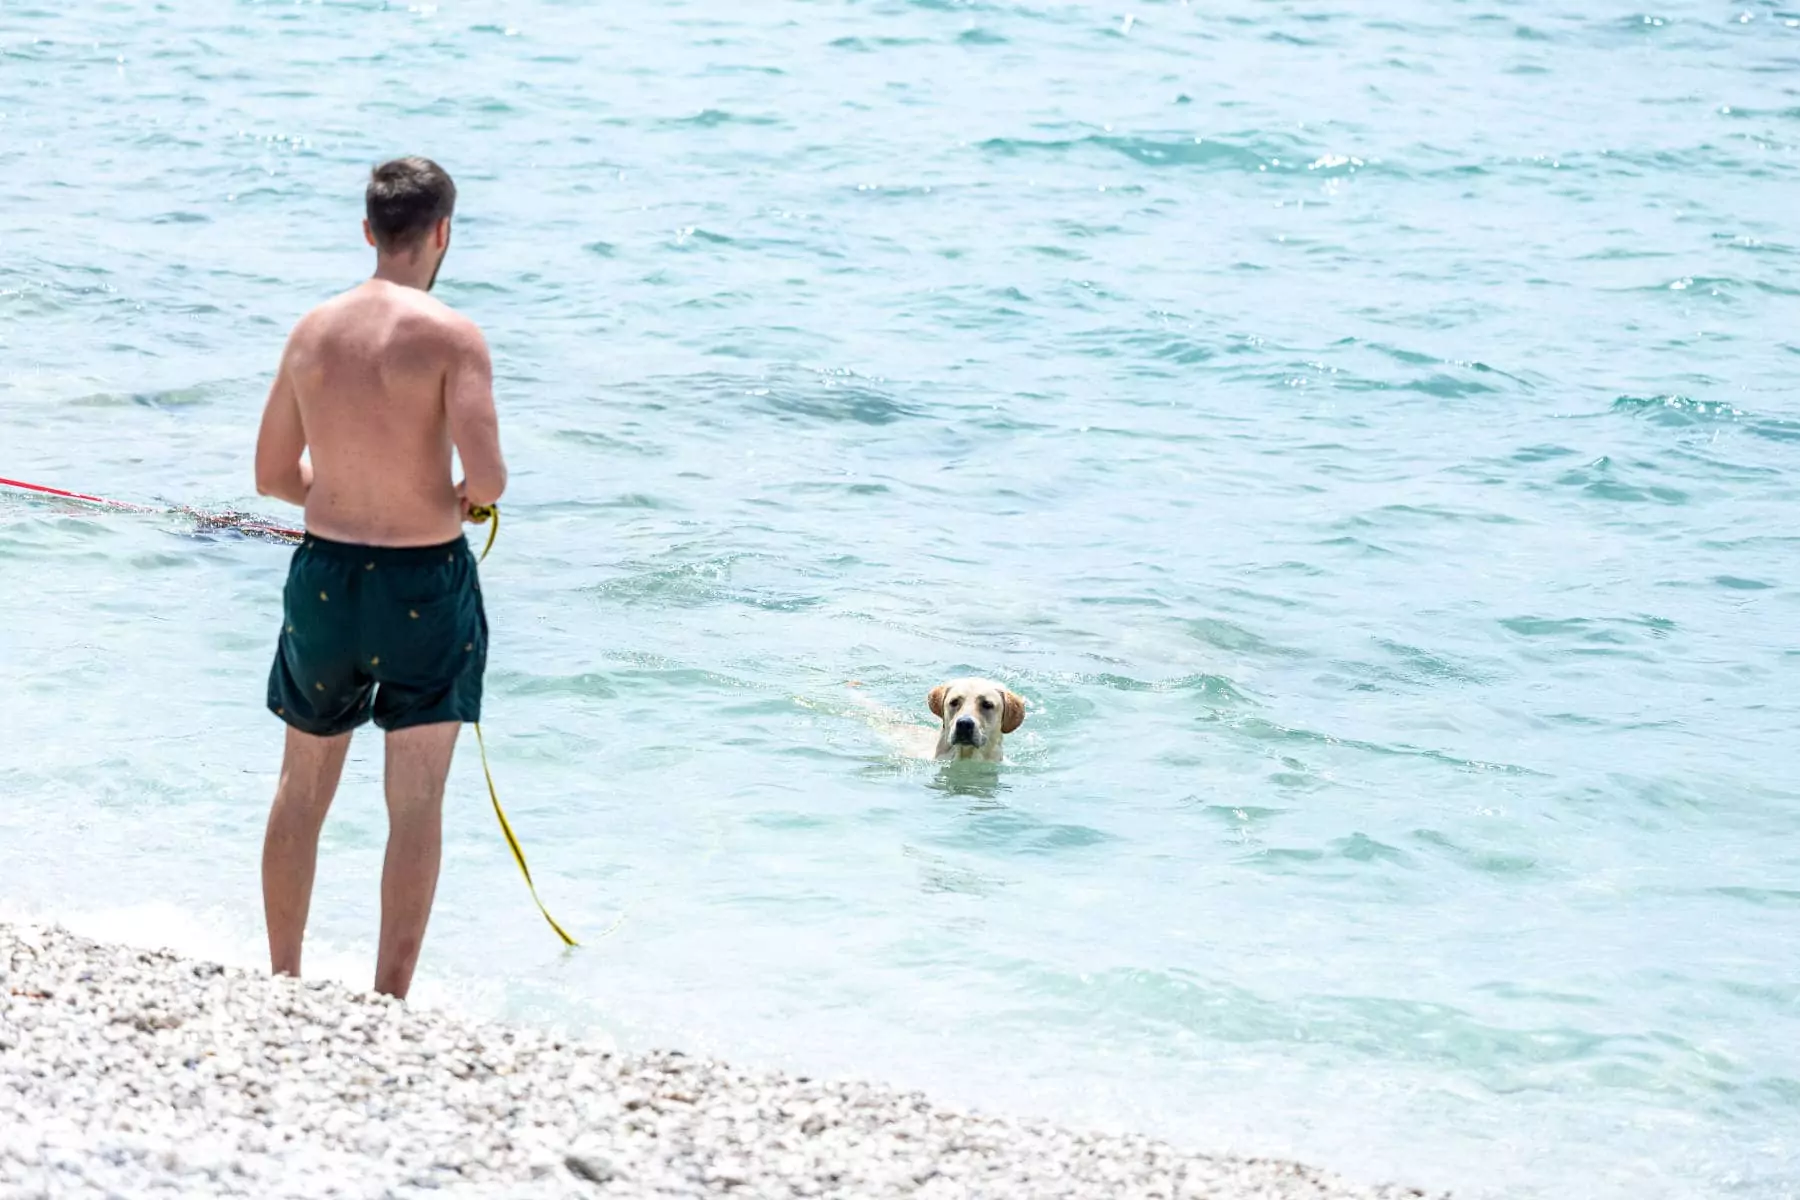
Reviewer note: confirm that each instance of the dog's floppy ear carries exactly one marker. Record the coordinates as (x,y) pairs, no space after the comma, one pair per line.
(1013,714)
(936,699)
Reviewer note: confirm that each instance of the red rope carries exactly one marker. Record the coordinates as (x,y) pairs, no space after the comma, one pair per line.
(240,521)
(50,491)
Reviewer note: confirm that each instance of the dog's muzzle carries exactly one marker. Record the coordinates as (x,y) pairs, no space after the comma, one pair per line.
(965,732)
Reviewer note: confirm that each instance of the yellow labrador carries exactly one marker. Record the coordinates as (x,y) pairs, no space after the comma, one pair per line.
(974,717)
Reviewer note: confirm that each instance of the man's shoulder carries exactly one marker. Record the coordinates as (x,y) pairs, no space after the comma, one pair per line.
(321,317)
(432,317)
(408,315)
(314,326)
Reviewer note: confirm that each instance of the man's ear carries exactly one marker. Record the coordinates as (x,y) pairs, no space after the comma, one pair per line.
(441,235)
(936,700)
(1012,714)
(368,232)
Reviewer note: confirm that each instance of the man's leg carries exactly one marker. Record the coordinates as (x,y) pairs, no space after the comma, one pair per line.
(310,770)
(418,760)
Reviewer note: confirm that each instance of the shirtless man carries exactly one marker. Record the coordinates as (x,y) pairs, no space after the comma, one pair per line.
(382,612)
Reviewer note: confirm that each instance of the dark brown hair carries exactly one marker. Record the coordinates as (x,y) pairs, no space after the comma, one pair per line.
(407,197)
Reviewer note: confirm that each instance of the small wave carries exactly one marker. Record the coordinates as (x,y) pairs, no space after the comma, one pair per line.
(1768,897)
(1232,638)
(1599,633)
(1447,387)
(690,235)
(1207,687)
(1543,453)
(870,45)
(1169,349)
(1676,411)
(853,402)
(712,118)
(1643,23)
(1420,666)
(1411,358)
(587,684)
(1754,245)
(1237,817)
(1387,1028)
(1440,512)
(1440,384)
(1263,730)
(625,500)
(1485,859)
(1601,480)
(195,396)
(473,287)
(995,827)
(1724,287)
(606,441)
(1360,847)
(1204,153)
(845,487)
(696,584)
(1741,159)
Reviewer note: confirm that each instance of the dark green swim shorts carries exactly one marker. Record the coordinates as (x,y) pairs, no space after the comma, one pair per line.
(399,634)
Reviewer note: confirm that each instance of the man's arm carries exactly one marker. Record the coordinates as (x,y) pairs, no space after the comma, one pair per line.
(282,439)
(474,427)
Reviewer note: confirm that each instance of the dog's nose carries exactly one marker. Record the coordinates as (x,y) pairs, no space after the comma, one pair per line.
(965,728)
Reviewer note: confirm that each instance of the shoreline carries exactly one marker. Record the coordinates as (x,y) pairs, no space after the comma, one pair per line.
(127,1072)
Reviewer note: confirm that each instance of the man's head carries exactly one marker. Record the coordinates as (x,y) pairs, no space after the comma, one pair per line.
(410,201)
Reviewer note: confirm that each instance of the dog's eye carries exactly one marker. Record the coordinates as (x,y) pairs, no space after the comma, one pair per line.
(987,705)
(956,704)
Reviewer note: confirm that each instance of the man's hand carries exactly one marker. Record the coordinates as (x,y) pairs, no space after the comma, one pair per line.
(473,514)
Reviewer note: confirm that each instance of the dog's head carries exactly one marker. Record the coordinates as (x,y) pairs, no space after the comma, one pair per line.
(975,713)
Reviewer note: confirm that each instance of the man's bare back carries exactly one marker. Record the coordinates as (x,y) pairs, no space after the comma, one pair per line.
(378,384)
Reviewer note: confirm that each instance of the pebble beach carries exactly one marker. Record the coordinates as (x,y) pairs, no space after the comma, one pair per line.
(126,1072)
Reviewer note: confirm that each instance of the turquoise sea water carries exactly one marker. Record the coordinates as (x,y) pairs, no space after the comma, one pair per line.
(1367,435)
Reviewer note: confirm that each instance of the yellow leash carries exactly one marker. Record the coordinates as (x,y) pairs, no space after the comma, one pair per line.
(481,514)
(513,841)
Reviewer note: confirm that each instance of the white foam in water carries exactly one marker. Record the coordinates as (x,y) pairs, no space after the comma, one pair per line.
(209,936)
(214,936)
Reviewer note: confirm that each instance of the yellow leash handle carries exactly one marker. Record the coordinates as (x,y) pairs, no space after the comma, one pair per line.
(480,514)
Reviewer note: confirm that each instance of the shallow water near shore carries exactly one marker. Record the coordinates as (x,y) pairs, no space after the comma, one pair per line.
(1367,437)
